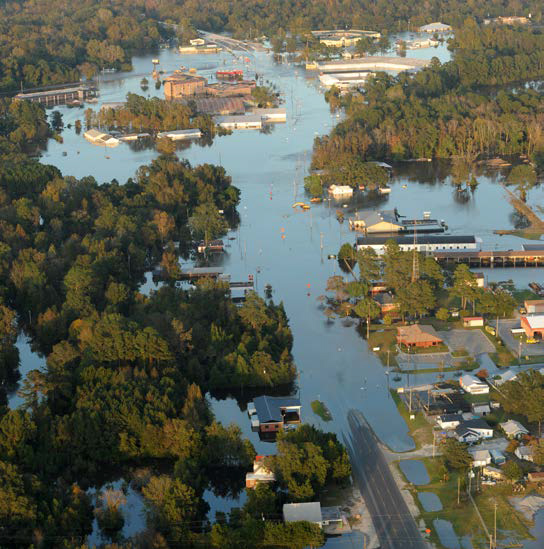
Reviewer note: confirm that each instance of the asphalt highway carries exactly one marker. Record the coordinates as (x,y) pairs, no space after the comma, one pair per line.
(394,524)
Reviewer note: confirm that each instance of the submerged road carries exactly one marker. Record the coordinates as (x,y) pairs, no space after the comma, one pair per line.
(394,524)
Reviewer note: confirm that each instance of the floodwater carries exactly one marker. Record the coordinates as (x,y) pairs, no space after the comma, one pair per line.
(430,501)
(446,533)
(334,362)
(537,531)
(415,471)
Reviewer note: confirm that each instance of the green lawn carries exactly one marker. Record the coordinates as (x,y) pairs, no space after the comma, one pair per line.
(420,429)
(384,337)
(462,515)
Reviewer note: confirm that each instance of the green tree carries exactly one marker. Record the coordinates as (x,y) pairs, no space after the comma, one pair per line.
(512,471)
(456,455)
(368,309)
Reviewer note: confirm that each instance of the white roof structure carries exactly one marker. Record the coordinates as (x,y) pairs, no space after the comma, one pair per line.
(311,512)
(435,27)
(513,428)
(536,322)
(481,456)
(509,375)
(472,383)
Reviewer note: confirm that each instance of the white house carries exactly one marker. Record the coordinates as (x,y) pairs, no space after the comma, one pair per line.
(473,430)
(178,135)
(240,122)
(271,115)
(509,375)
(524,452)
(261,473)
(513,429)
(480,458)
(340,190)
(98,137)
(471,384)
(449,421)
(481,408)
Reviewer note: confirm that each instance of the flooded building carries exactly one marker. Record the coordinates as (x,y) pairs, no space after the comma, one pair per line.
(435,27)
(241,122)
(180,84)
(219,105)
(270,414)
(261,473)
(98,137)
(59,96)
(425,243)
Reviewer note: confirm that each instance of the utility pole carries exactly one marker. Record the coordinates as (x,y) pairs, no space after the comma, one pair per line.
(495,527)
(458,486)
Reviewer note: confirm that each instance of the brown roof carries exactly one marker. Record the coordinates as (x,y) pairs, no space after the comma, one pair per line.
(416,333)
(529,302)
(220,105)
(184,77)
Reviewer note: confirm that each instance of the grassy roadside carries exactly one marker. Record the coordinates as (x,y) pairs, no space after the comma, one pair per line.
(384,337)
(419,428)
(510,523)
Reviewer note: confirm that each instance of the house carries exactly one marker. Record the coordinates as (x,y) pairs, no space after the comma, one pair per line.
(473,321)
(509,375)
(513,429)
(261,473)
(473,430)
(98,137)
(533,325)
(178,135)
(310,512)
(271,115)
(480,458)
(272,413)
(417,335)
(385,221)
(240,122)
(493,472)
(536,477)
(471,384)
(340,190)
(424,243)
(435,27)
(181,84)
(449,421)
(524,452)
(386,301)
(533,306)
(497,457)
(480,279)
(481,408)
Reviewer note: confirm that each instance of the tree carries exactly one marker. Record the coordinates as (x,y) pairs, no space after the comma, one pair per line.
(512,471)
(456,455)
(369,266)
(313,185)
(442,314)
(524,177)
(206,222)
(294,535)
(465,285)
(368,309)
(498,303)
(525,396)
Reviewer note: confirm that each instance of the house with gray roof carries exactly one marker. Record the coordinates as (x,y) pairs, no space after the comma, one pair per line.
(273,413)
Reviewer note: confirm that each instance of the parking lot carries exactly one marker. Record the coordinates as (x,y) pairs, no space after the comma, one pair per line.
(473,341)
(527,349)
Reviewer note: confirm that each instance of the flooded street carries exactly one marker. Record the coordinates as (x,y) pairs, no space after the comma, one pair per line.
(334,362)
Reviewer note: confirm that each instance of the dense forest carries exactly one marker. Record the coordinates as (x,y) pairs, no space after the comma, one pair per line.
(447,110)
(125,374)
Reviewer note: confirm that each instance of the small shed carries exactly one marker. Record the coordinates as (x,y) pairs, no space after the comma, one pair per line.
(473,321)
(533,325)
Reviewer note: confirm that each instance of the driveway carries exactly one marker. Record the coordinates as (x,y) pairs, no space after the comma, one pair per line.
(527,349)
(474,341)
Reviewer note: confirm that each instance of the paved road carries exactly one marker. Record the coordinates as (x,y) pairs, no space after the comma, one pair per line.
(395,526)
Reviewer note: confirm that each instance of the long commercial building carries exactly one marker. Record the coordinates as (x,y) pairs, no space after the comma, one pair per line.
(372,63)
(59,96)
(425,243)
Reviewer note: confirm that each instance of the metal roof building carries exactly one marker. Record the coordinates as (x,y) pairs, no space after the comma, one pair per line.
(310,512)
